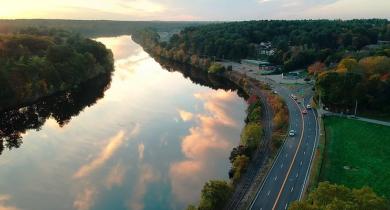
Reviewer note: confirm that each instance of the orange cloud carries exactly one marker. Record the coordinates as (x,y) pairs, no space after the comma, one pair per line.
(116,176)
(85,199)
(3,200)
(186,116)
(114,143)
(205,146)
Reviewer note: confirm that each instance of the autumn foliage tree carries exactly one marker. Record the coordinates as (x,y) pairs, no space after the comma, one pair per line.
(316,68)
(336,197)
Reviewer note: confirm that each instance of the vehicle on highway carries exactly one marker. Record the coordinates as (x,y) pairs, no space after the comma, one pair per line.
(275,92)
(293,97)
(304,111)
(308,106)
(291,133)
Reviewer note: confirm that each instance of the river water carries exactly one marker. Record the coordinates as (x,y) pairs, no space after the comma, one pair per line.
(149,137)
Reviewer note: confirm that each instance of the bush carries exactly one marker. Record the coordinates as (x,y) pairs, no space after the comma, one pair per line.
(215,194)
(240,164)
(216,68)
(251,135)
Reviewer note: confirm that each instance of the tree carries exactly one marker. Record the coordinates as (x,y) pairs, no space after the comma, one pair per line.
(316,68)
(240,164)
(216,68)
(215,194)
(335,197)
(251,135)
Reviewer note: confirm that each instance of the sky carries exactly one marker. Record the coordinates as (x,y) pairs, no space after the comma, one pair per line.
(212,10)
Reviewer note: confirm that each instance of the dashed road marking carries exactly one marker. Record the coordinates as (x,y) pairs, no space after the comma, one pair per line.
(269,191)
(276,177)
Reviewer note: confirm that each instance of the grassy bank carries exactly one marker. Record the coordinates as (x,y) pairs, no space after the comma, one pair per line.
(357,154)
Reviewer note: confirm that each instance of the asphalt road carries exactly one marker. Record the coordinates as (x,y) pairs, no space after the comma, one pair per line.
(287,178)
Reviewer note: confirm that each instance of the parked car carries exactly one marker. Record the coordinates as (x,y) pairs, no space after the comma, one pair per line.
(275,92)
(308,106)
(304,111)
(291,133)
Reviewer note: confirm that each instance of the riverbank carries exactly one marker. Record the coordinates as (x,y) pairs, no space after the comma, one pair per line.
(39,63)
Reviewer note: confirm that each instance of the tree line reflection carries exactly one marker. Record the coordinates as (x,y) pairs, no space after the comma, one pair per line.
(200,77)
(61,107)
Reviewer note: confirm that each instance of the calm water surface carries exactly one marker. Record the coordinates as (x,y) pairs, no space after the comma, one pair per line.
(148,140)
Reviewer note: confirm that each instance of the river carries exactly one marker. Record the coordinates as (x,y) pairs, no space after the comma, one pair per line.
(148,137)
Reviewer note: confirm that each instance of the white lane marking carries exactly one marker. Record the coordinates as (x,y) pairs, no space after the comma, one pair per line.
(304,153)
(285,156)
(281,166)
(297,175)
(276,177)
(269,191)
(285,207)
(300,163)
(292,189)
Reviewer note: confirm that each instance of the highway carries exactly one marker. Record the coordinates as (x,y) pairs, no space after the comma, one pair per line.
(286,180)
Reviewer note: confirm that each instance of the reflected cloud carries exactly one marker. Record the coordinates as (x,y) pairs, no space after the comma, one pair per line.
(146,176)
(114,143)
(116,176)
(141,149)
(185,116)
(207,143)
(3,200)
(85,199)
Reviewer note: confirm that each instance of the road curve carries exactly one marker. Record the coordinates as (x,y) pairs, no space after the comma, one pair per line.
(286,180)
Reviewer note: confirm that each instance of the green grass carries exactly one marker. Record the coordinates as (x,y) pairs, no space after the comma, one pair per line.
(357,154)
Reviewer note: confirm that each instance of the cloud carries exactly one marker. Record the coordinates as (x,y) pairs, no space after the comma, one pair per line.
(146,176)
(141,149)
(116,176)
(114,143)
(85,199)
(3,200)
(186,116)
(207,143)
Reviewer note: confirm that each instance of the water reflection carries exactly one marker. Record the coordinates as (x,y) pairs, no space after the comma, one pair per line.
(61,107)
(150,143)
(200,77)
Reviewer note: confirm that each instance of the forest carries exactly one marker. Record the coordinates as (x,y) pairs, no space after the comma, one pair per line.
(349,66)
(296,44)
(94,28)
(37,63)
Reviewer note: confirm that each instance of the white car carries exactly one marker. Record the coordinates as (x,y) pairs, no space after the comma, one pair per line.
(308,106)
(291,133)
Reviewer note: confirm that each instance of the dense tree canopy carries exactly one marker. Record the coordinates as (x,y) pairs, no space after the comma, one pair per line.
(297,44)
(366,81)
(37,63)
(335,197)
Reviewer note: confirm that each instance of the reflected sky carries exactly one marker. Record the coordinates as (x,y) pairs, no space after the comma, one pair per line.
(150,143)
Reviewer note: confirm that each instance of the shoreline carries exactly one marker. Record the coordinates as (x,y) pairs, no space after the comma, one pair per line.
(35,99)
